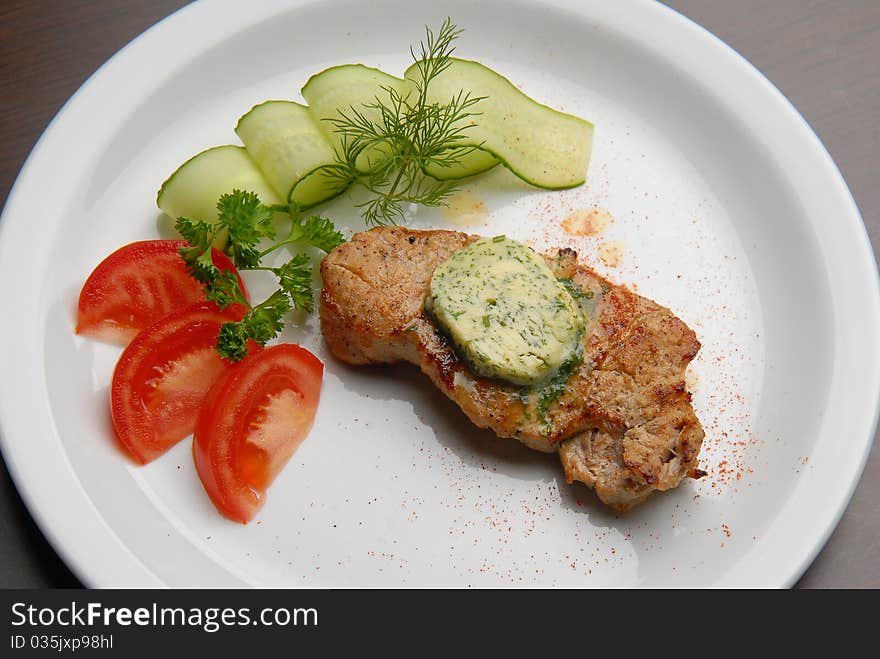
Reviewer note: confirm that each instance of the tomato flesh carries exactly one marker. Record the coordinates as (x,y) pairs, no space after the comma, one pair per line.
(136,286)
(163,376)
(251,423)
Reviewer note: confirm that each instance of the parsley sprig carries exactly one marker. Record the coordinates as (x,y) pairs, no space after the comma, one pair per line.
(389,144)
(244,223)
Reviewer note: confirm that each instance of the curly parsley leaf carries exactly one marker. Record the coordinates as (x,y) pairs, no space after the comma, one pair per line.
(321,233)
(200,236)
(261,324)
(225,290)
(232,342)
(295,279)
(248,221)
(245,223)
(197,233)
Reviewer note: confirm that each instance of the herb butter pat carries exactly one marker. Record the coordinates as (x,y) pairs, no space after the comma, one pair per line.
(506,313)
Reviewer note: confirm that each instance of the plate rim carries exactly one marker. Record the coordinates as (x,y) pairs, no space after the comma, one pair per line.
(128,569)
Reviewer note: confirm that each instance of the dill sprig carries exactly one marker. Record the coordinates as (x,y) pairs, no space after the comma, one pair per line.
(387,145)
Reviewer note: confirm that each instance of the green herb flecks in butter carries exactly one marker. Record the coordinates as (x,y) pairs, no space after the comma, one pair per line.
(584,299)
(506,313)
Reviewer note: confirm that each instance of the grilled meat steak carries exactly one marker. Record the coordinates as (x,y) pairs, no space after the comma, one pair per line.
(622,423)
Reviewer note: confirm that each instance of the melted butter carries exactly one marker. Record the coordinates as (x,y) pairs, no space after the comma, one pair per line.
(464,209)
(506,313)
(587,222)
(611,253)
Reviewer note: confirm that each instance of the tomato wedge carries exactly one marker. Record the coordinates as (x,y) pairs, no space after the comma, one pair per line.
(252,422)
(137,285)
(164,375)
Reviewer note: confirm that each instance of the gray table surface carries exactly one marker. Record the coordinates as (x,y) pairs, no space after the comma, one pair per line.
(824,55)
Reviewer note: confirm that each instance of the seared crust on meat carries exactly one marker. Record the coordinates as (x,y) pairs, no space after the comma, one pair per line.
(624,424)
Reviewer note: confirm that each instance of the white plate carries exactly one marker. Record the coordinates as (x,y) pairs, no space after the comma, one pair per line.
(728,209)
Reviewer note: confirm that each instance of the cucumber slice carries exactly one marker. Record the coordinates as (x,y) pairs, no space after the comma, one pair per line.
(291,151)
(340,89)
(344,87)
(542,146)
(194,188)
(475,162)
(355,86)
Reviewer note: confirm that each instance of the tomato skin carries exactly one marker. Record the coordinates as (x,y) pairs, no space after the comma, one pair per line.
(137,285)
(163,376)
(251,423)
